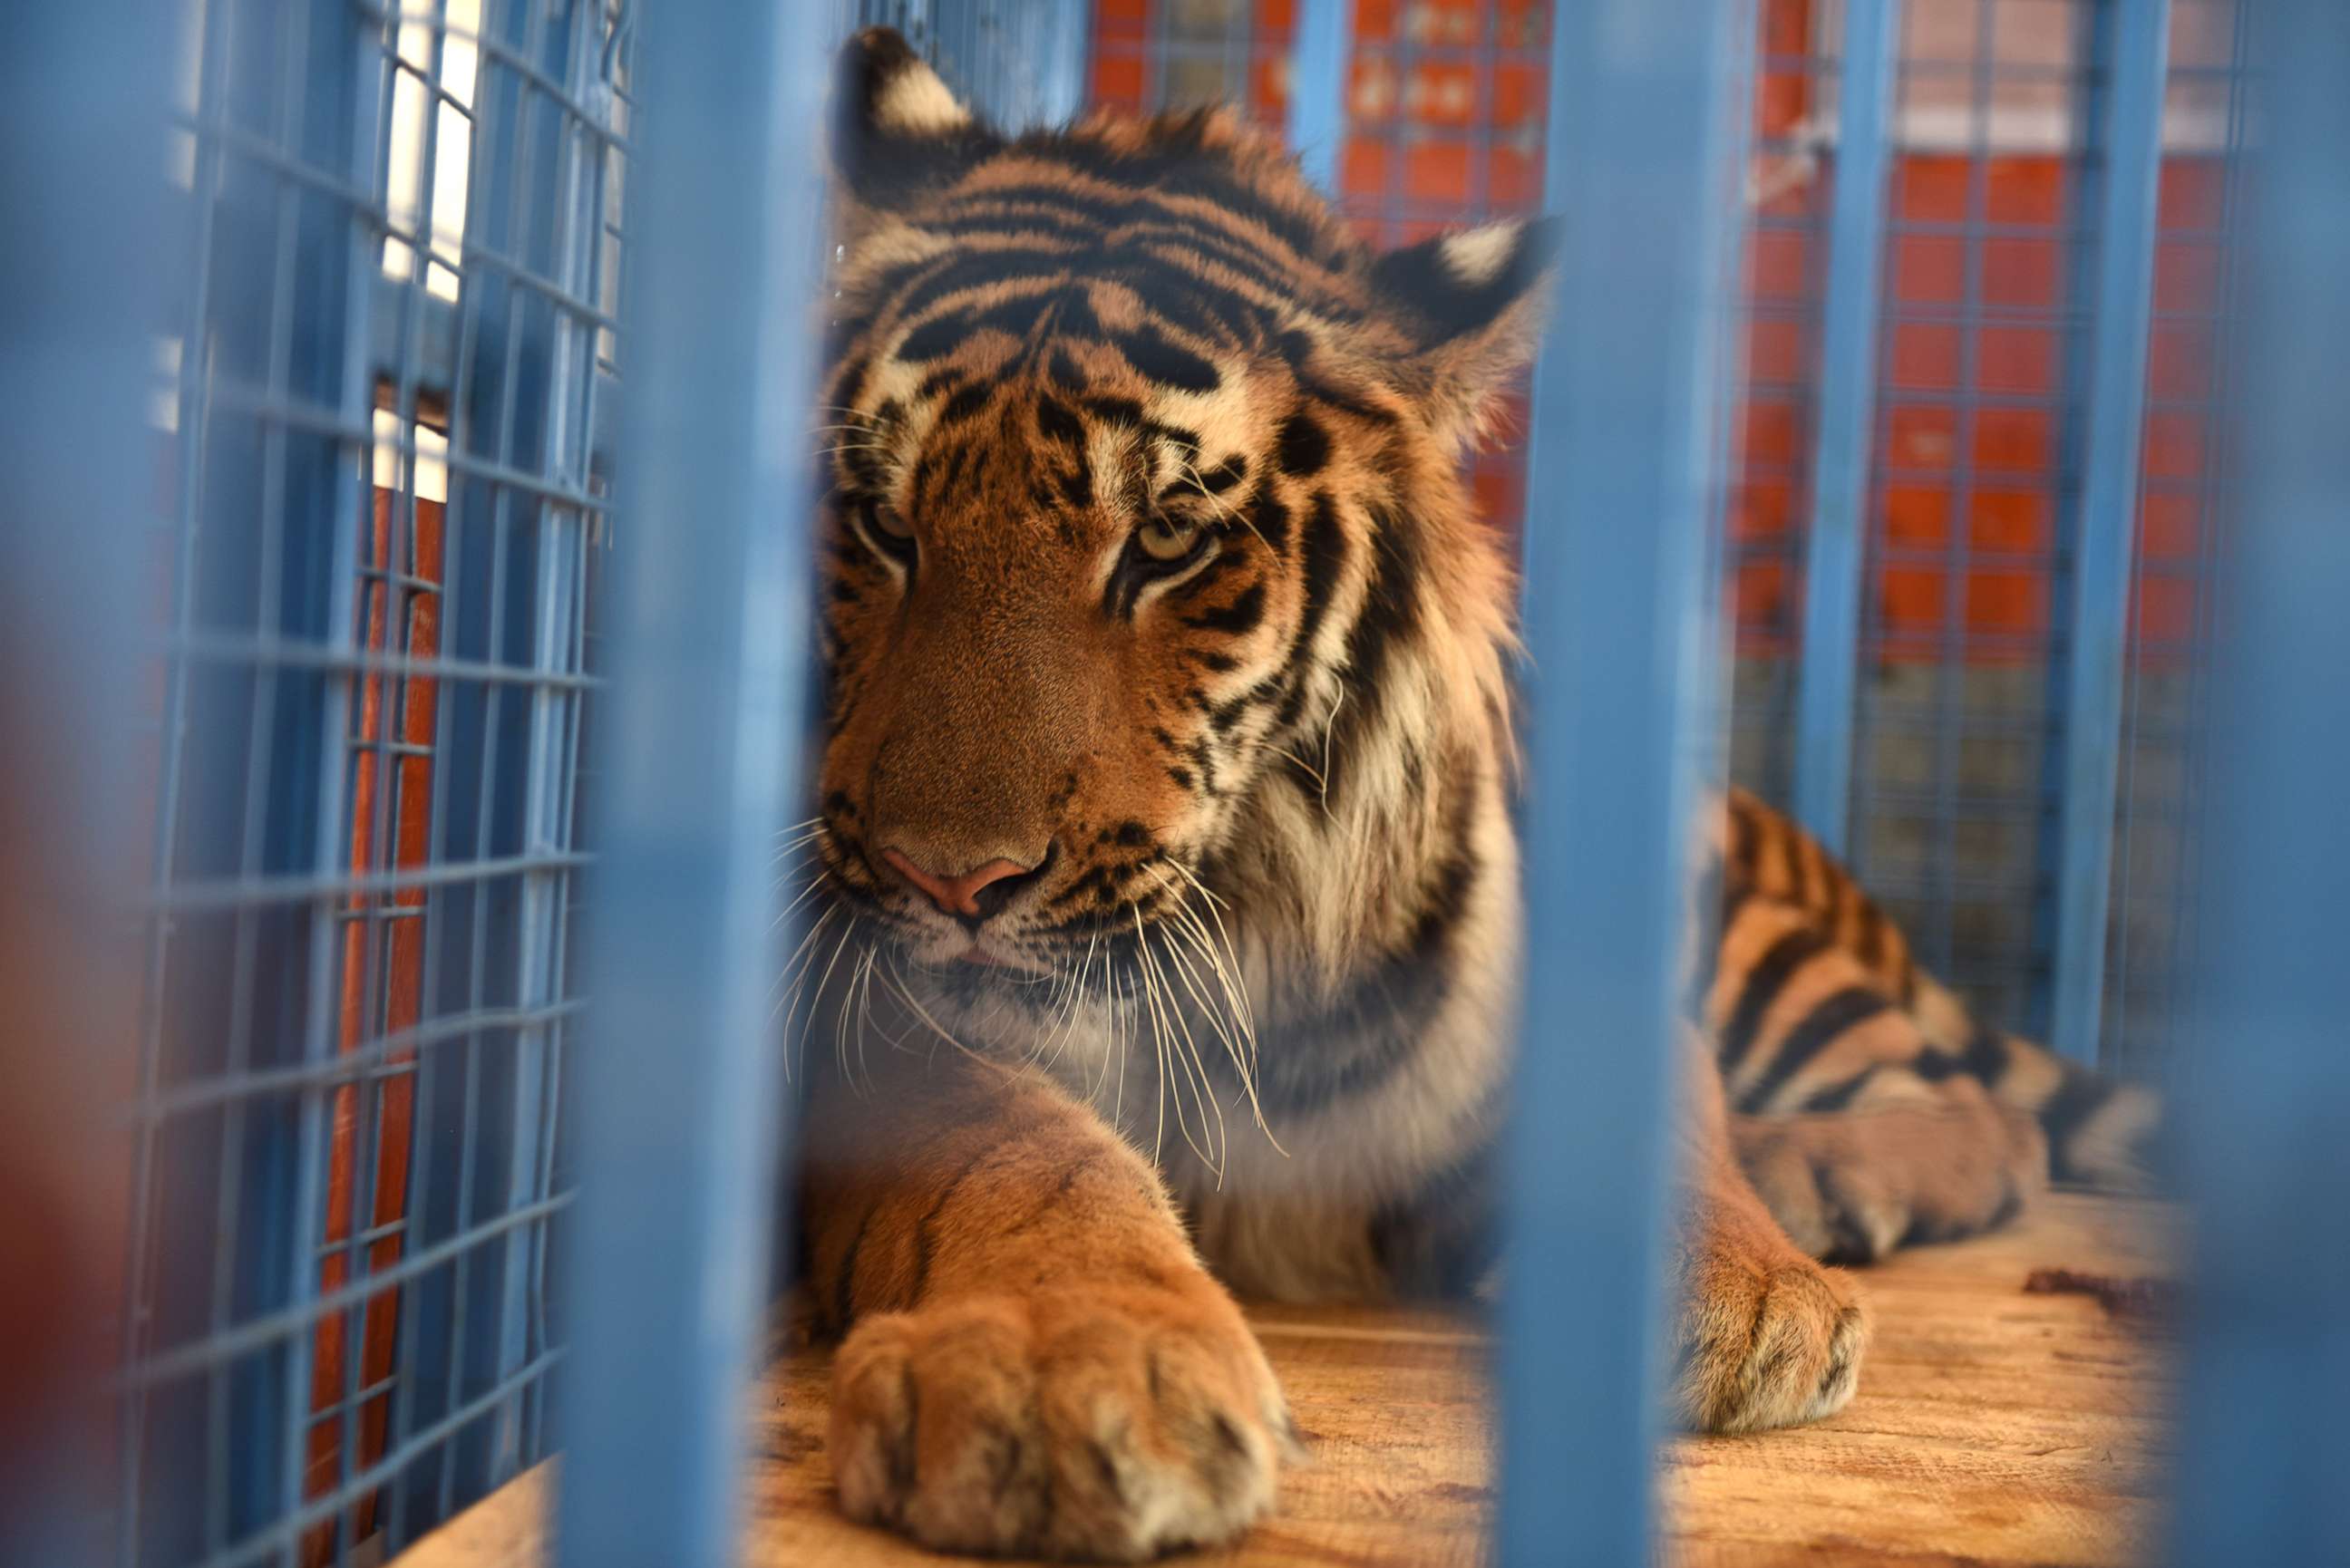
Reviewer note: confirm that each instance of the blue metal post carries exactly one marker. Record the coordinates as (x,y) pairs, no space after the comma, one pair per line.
(82,243)
(2264,1089)
(1016,64)
(2105,535)
(1836,545)
(678,1091)
(1644,97)
(1062,71)
(1317,87)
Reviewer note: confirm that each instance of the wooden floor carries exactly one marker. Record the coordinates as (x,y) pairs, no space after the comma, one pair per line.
(1993,1428)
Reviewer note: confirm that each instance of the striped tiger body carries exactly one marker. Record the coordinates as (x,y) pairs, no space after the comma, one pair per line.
(1818,1005)
(1165,896)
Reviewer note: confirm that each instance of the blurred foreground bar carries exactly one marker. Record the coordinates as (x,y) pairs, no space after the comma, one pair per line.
(1625,443)
(2264,1093)
(81,245)
(677,1093)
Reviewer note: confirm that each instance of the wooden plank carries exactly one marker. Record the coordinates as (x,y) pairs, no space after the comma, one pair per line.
(1992,1429)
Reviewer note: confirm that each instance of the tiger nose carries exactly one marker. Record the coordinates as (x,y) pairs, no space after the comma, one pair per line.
(971,896)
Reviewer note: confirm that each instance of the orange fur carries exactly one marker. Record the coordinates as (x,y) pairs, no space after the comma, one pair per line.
(1036,1362)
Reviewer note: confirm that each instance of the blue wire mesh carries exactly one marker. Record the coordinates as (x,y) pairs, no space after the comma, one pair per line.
(1789,189)
(2183,529)
(379,514)
(1193,53)
(1982,373)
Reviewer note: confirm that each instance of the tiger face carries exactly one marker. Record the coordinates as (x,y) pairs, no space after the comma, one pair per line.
(1143,535)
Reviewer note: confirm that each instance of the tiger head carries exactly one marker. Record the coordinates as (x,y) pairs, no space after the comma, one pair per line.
(1150,592)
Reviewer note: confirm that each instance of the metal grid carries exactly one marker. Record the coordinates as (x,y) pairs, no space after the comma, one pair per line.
(1175,54)
(1440,101)
(1985,307)
(2186,479)
(1976,720)
(1955,571)
(380,511)
(1790,187)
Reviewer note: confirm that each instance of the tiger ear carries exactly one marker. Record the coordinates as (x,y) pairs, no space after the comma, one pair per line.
(896,128)
(1472,306)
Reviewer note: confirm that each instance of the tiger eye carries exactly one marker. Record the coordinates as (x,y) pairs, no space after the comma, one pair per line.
(1167,539)
(888,522)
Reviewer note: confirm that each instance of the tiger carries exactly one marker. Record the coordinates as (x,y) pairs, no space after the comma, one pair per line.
(1164,927)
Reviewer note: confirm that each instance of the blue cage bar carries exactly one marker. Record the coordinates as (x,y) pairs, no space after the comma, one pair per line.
(2105,532)
(679,1095)
(2264,1095)
(1845,415)
(75,498)
(1317,87)
(1627,424)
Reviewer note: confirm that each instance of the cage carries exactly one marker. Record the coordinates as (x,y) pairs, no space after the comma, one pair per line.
(381,500)
(1942,294)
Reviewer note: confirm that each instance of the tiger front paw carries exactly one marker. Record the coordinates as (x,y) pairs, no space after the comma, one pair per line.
(1109,1424)
(1767,1338)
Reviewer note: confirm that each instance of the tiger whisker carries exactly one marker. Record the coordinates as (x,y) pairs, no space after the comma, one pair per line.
(1077,1002)
(1244,1013)
(788,866)
(793,979)
(1213,1015)
(1224,963)
(1061,1008)
(1119,1014)
(906,994)
(1308,769)
(815,997)
(1205,891)
(844,1017)
(1186,1050)
(865,1011)
(1243,1055)
(1225,510)
(1184,920)
(791,965)
(1159,1037)
(1328,725)
(814,887)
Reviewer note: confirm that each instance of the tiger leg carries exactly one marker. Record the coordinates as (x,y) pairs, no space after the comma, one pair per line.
(1036,1362)
(1856,1130)
(1766,1336)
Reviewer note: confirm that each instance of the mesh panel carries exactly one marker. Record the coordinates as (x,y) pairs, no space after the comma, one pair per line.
(2180,528)
(1989,286)
(381,508)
